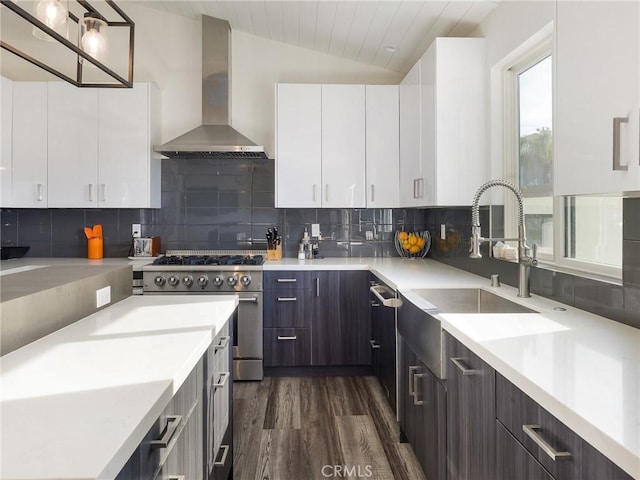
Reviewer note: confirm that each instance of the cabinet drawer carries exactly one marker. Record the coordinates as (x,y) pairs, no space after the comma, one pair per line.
(514,461)
(287,347)
(287,280)
(515,409)
(287,308)
(185,458)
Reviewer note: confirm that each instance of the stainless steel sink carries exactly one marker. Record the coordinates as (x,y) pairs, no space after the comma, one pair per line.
(469,300)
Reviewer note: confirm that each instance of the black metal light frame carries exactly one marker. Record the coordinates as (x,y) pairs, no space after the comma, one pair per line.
(78,81)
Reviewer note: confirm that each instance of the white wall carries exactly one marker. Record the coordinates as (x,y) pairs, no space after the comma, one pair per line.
(258,64)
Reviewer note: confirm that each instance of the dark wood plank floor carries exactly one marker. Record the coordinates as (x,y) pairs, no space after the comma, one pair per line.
(307,428)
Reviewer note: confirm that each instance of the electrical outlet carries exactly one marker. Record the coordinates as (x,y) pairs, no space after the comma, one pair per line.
(443,231)
(103,296)
(136,230)
(315,230)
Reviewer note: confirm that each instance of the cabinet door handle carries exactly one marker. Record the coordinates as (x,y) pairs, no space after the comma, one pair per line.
(318,287)
(314,193)
(465,370)
(103,192)
(224,377)
(530,430)
(287,299)
(223,459)
(373,192)
(282,337)
(176,477)
(412,371)
(616,143)
(374,345)
(224,341)
(91,192)
(415,181)
(286,280)
(326,192)
(173,421)
(417,376)
(248,299)
(39,193)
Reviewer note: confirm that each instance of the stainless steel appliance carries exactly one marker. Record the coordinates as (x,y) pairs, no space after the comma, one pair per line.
(215,272)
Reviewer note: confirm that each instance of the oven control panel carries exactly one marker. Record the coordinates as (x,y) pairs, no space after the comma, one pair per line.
(199,281)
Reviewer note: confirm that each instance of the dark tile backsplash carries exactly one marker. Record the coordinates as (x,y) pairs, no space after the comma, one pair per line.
(228,204)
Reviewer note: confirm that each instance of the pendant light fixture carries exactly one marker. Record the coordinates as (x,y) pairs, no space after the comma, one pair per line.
(54,14)
(94,37)
(50,21)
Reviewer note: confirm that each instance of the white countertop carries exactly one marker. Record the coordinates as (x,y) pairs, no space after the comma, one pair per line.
(582,368)
(34,262)
(76,403)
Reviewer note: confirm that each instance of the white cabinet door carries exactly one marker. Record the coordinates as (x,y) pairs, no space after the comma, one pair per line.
(598,73)
(382,146)
(6,132)
(128,172)
(456,159)
(298,145)
(343,146)
(29,175)
(73,146)
(410,137)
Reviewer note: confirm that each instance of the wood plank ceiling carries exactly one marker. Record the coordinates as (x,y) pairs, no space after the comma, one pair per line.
(363,31)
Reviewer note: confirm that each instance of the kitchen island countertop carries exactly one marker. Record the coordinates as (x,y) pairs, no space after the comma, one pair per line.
(76,403)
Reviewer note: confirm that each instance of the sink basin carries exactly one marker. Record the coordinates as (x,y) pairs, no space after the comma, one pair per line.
(469,300)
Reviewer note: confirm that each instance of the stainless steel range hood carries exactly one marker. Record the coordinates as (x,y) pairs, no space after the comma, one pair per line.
(215,137)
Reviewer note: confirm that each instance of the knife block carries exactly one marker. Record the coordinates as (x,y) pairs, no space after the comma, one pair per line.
(274,253)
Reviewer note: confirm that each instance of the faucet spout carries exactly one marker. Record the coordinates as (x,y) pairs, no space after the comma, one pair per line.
(525,260)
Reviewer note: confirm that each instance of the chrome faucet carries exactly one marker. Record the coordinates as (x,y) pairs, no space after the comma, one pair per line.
(525,260)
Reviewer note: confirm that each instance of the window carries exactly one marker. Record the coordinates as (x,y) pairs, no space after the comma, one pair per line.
(582,233)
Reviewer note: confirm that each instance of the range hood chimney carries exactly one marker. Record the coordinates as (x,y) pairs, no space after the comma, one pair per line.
(215,137)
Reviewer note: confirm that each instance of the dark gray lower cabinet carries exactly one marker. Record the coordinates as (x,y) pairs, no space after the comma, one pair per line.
(575,459)
(340,326)
(470,414)
(513,461)
(422,407)
(383,347)
(287,347)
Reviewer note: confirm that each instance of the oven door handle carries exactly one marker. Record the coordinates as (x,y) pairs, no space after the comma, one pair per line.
(249,299)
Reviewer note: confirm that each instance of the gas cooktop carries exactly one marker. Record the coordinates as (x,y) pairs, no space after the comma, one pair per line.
(213,260)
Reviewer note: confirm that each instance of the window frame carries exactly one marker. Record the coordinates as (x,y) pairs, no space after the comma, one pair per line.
(540,48)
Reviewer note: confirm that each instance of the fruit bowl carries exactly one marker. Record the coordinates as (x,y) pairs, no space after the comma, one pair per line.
(412,244)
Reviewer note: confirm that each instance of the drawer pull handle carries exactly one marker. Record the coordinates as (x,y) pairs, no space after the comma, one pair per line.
(223,459)
(415,388)
(249,299)
(173,422)
(293,337)
(287,299)
(224,377)
(530,430)
(224,341)
(412,371)
(176,477)
(374,345)
(465,371)
(286,280)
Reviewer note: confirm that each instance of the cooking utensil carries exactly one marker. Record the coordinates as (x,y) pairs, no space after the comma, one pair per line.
(88,232)
(97,230)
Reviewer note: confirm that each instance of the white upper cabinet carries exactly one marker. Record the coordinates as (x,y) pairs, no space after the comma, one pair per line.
(29,145)
(382,146)
(128,169)
(343,146)
(72,146)
(6,132)
(597,98)
(298,145)
(410,137)
(442,118)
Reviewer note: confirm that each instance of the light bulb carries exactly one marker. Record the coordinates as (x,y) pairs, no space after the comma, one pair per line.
(54,15)
(94,38)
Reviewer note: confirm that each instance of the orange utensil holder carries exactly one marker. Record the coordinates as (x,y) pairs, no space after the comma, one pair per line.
(94,248)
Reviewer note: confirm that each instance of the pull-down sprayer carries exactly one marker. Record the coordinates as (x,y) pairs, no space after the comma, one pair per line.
(525,260)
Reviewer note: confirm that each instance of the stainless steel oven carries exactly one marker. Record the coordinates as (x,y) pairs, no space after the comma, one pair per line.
(216,273)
